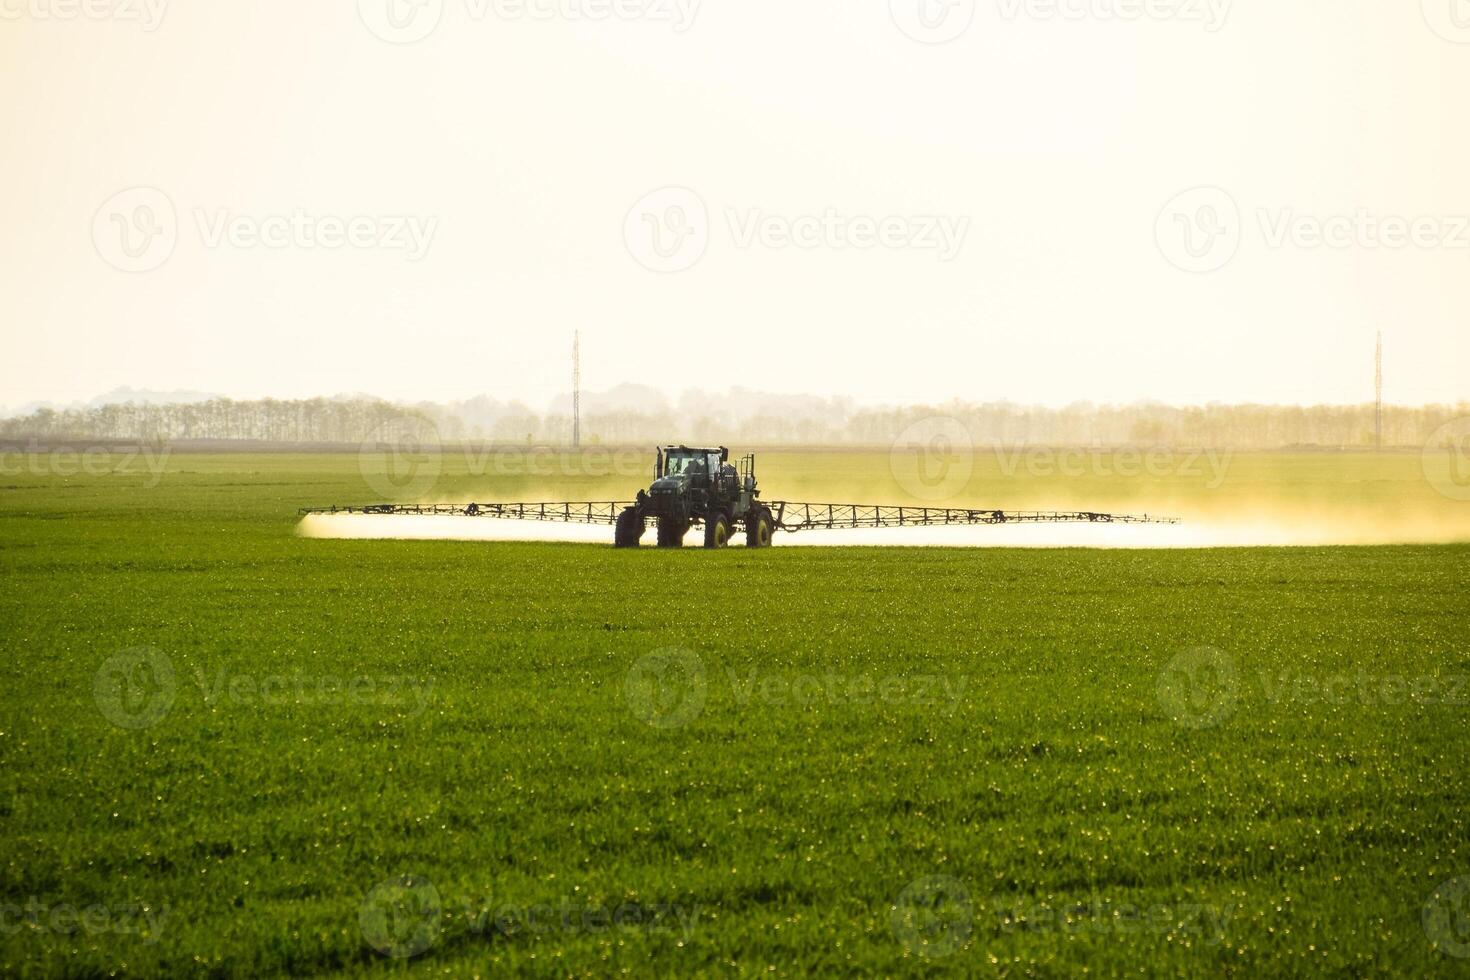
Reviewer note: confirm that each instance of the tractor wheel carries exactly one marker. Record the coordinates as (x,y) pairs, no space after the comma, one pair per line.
(671,533)
(630,528)
(716,531)
(758,529)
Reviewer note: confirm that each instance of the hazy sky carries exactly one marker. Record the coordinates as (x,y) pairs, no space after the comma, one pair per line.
(803,197)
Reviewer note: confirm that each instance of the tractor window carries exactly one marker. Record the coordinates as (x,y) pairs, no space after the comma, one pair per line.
(676,463)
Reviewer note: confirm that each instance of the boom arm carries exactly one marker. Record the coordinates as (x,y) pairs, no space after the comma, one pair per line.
(789,516)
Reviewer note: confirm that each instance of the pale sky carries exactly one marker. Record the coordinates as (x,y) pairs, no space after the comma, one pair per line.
(997,216)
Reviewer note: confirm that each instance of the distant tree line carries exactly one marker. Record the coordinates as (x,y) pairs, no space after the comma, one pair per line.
(352,421)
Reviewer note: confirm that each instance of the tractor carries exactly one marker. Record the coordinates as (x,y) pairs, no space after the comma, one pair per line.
(698,486)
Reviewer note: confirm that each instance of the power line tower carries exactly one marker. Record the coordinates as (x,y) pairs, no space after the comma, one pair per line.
(577,389)
(1378,390)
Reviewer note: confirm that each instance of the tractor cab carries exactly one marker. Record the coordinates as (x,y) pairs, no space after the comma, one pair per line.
(697,464)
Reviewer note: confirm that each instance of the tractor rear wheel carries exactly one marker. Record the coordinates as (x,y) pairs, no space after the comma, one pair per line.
(758,528)
(671,532)
(716,531)
(629,529)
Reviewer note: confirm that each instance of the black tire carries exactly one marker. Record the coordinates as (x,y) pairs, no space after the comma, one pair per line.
(759,527)
(717,531)
(629,529)
(671,533)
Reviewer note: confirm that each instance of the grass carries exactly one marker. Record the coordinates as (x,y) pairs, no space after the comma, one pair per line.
(863,760)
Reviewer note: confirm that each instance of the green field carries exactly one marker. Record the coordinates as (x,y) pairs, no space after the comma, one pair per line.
(228,750)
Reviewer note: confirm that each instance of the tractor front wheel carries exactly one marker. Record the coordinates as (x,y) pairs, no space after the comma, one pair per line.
(716,531)
(758,529)
(629,529)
